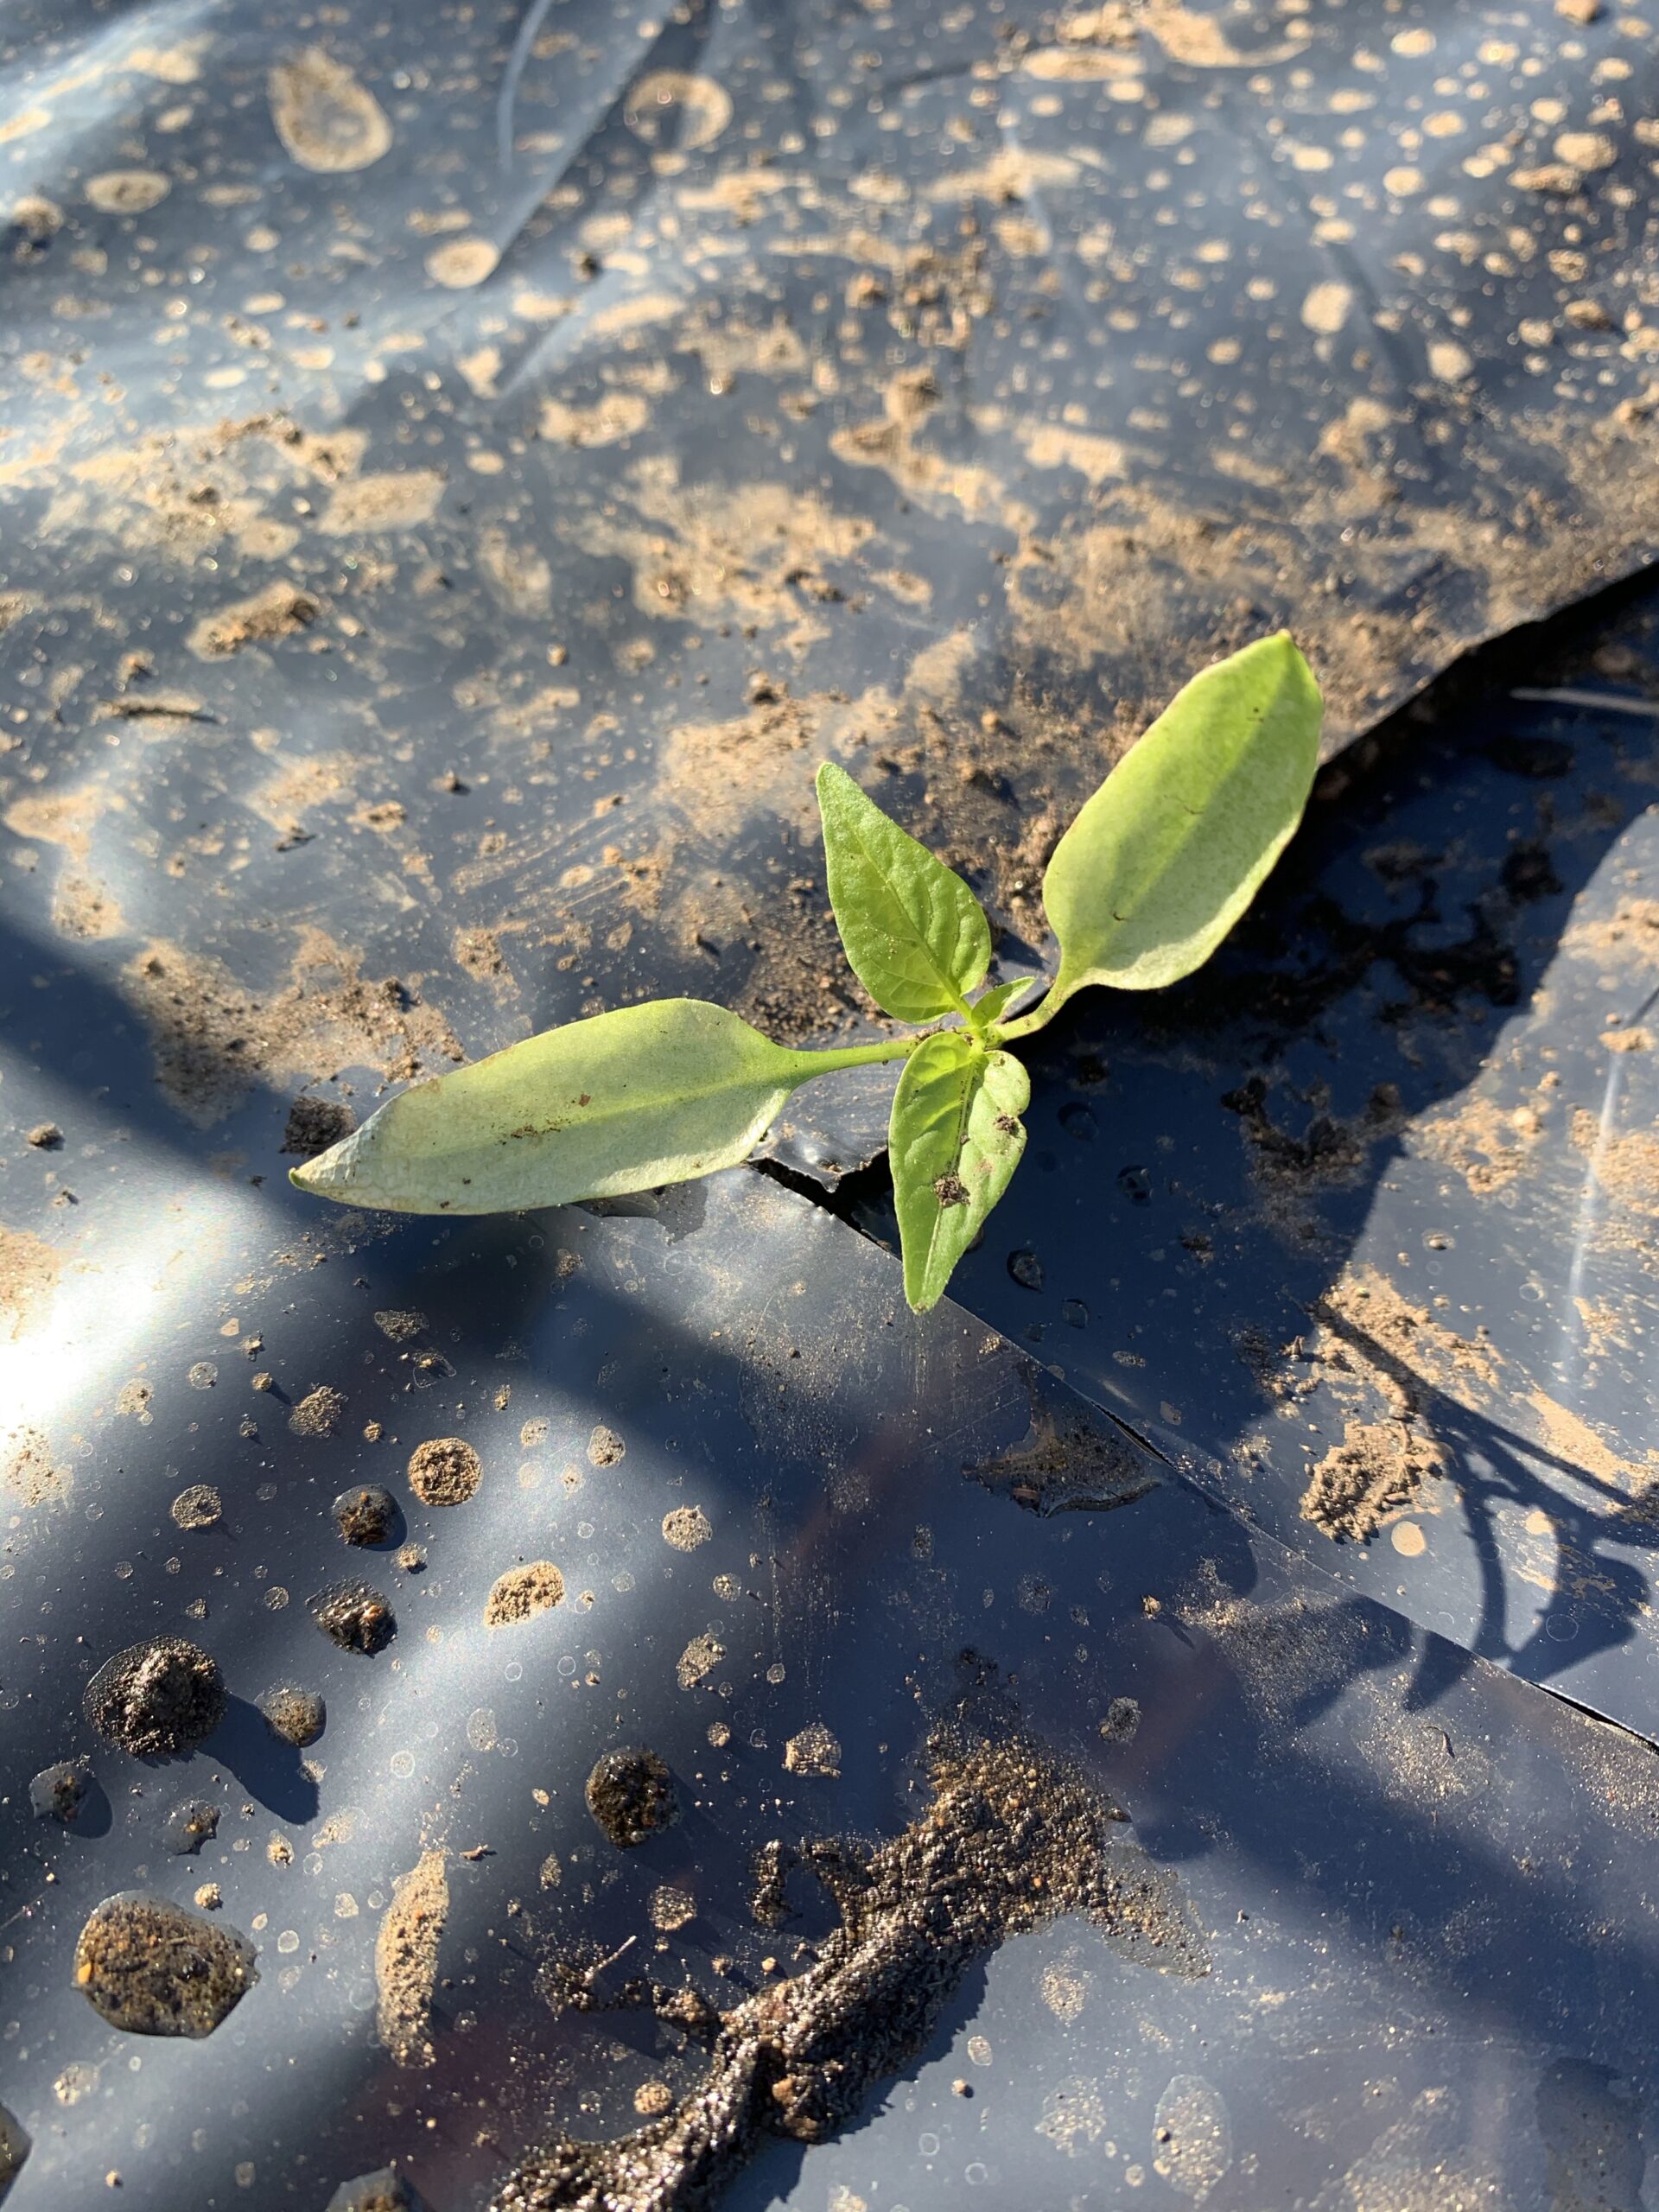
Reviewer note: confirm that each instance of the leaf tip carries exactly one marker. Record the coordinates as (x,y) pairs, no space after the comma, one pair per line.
(328,1175)
(1293,657)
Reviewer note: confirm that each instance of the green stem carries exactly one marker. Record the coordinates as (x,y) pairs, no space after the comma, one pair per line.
(856,1056)
(1027,1025)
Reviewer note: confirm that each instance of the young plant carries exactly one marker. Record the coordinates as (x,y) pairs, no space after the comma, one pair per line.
(1143,886)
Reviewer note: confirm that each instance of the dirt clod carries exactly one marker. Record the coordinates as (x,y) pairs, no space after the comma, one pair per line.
(366,1514)
(45,1137)
(190,1824)
(522,1593)
(157,1699)
(328,121)
(1379,1467)
(154,1969)
(314,1124)
(605,1446)
(685,1528)
(1014,1837)
(385,2191)
(406,1959)
(815,1751)
(293,1715)
(15,2147)
(57,1793)
(1386,1363)
(260,619)
(698,1661)
(199,1507)
(445,1471)
(354,1616)
(398,1323)
(631,1795)
(1122,1718)
(318,1412)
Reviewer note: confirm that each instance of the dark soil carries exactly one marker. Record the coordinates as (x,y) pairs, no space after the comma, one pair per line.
(314,1124)
(383,2191)
(294,1715)
(153,1969)
(1014,1838)
(189,1825)
(1123,1719)
(15,2147)
(57,1793)
(631,1795)
(1068,1460)
(353,1616)
(156,1700)
(367,1515)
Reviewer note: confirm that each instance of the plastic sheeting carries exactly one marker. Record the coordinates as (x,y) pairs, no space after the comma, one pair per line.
(1353,1816)
(461,471)
(1359,1223)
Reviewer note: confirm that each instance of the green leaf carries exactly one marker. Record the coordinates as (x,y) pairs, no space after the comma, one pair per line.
(916,936)
(629,1100)
(1171,849)
(954,1141)
(989,1004)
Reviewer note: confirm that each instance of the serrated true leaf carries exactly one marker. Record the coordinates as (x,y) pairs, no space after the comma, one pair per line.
(625,1101)
(954,1140)
(1166,856)
(916,936)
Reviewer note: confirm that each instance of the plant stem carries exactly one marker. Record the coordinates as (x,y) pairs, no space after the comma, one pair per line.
(1027,1025)
(857,1056)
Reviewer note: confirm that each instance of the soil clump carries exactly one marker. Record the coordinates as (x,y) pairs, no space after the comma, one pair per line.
(154,1969)
(631,1796)
(353,1616)
(156,1700)
(1014,1838)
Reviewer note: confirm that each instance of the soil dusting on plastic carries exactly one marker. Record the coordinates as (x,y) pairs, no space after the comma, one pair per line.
(1014,1837)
